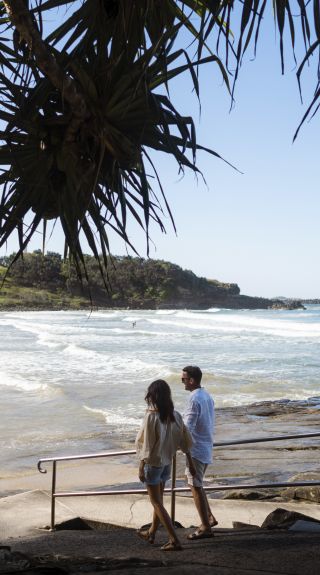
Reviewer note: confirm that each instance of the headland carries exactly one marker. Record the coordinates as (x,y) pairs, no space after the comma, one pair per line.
(45,282)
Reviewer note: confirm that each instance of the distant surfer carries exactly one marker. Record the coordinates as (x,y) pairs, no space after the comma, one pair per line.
(134,324)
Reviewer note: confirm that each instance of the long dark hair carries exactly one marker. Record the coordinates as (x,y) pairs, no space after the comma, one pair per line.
(159,396)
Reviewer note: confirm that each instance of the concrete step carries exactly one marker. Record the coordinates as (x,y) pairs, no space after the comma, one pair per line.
(26,513)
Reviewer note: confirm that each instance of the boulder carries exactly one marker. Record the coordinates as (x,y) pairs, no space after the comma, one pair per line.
(240,525)
(253,495)
(284,519)
(308,493)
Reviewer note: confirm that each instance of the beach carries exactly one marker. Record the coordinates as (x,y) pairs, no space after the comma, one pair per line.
(110,545)
(76,385)
(74,382)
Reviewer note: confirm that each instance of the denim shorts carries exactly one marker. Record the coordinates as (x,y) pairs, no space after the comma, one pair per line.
(197,480)
(156,475)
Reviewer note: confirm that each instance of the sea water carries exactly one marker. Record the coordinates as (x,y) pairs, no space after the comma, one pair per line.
(74,382)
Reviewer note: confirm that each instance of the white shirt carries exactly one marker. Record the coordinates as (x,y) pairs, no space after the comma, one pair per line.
(199,419)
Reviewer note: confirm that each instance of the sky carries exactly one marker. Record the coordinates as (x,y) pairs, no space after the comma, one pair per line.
(257,227)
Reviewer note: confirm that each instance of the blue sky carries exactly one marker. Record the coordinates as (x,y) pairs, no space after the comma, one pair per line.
(258,228)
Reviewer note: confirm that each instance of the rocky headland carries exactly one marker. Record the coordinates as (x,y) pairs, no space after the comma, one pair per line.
(46,282)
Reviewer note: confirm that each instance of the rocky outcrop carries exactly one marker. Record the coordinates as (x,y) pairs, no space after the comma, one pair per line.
(248,302)
(228,297)
(303,492)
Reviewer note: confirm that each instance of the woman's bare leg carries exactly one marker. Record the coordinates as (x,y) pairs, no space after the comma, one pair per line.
(155,519)
(156,498)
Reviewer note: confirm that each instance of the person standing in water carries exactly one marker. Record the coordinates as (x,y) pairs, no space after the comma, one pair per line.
(162,432)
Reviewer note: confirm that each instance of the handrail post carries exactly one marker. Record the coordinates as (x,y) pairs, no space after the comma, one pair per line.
(53,491)
(173,485)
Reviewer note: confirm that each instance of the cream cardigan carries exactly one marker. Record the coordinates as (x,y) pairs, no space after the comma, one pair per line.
(157,442)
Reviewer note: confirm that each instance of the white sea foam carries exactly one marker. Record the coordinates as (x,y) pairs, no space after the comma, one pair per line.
(166,312)
(106,315)
(242,324)
(133,366)
(77,350)
(132,318)
(115,417)
(21,383)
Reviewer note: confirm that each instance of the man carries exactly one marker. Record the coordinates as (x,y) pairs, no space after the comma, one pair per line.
(199,419)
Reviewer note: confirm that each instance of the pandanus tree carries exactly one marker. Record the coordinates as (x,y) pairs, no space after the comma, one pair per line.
(85,104)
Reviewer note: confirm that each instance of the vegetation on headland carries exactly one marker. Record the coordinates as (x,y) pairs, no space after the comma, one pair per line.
(39,281)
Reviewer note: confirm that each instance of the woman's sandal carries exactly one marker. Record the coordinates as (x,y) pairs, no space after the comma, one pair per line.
(171,546)
(146,536)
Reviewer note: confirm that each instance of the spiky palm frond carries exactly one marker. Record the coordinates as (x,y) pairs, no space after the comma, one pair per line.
(82,107)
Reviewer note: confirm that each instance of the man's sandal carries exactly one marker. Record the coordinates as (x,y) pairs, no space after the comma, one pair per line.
(200,535)
(171,546)
(146,536)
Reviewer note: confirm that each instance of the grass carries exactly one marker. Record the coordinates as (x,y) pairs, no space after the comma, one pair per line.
(13,296)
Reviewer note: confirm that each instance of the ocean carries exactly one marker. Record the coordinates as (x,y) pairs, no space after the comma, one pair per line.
(74,382)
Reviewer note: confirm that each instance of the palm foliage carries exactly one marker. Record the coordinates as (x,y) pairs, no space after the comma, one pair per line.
(82,106)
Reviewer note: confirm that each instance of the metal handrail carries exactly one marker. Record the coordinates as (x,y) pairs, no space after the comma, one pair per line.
(173,489)
(133,451)
(84,456)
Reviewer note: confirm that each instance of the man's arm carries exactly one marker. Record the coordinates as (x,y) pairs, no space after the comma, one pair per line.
(190,416)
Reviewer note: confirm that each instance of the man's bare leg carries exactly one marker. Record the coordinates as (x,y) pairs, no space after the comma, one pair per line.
(202,505)
(212,519)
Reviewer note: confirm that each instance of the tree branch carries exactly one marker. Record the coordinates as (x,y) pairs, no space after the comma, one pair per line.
(22,20)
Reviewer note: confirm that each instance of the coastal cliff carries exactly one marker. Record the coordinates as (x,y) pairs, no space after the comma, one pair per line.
(47,282)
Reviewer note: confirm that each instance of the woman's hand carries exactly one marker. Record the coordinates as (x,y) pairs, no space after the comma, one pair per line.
(191,466)
(141,472)
(192,469)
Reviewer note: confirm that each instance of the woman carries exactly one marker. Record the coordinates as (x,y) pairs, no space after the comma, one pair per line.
(161,434)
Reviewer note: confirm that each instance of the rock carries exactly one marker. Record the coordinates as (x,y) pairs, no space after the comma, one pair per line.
(308,493)
(80,524)
(76,523)
(283,519)
(305,493)
(240,525)
(251,495)
(237,301)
